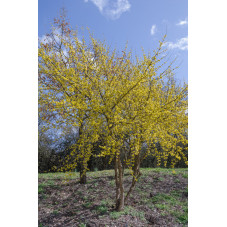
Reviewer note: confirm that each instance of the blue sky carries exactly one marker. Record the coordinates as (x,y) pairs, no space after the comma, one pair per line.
(141,23)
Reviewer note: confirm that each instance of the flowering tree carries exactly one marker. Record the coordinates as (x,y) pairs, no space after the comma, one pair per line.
(129,103)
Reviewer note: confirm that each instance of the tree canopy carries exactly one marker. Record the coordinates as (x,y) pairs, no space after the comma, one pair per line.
(129,102)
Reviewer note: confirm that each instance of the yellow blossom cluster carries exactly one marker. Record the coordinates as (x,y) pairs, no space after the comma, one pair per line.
(128,102)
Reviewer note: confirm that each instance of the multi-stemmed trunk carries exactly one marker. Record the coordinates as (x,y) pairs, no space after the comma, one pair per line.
(121,199)
(136,175)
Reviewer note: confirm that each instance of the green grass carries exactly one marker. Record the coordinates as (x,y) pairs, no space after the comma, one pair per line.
(162,197)
(103,173)
(161,178)
(41,225)
(102,209)
(182,218)
(82,225)
(40,189)
(104,206)
(106,202)
(43,185)
(87,204)
(169,204)
(177,181)
(112,183)
(128,210)
(55,212)
(166,170)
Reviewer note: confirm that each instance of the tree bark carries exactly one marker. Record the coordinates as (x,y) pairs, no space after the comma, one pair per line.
(136,175)
(119,185)
(83,177)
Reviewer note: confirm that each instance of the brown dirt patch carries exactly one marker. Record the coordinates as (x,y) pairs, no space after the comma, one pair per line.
(67,203)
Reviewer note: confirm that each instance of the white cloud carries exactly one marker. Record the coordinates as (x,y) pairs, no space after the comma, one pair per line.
(153,29)
(181,44)
(111,8)
(182,22)
(99,3)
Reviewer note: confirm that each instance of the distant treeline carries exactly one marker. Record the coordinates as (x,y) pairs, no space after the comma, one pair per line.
(50,156)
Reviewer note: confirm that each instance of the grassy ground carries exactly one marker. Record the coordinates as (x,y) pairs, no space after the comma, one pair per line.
(160,198)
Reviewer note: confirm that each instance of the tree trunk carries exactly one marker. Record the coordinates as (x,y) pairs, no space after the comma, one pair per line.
(136,175)
(119,185)
(83,177)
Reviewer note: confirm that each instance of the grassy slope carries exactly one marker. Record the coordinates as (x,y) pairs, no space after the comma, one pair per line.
(160,197)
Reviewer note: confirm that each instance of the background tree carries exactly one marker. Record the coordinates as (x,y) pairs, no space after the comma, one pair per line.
(61,55)
(45,153)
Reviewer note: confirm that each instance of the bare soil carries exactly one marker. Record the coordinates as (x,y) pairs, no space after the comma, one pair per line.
(159,199)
